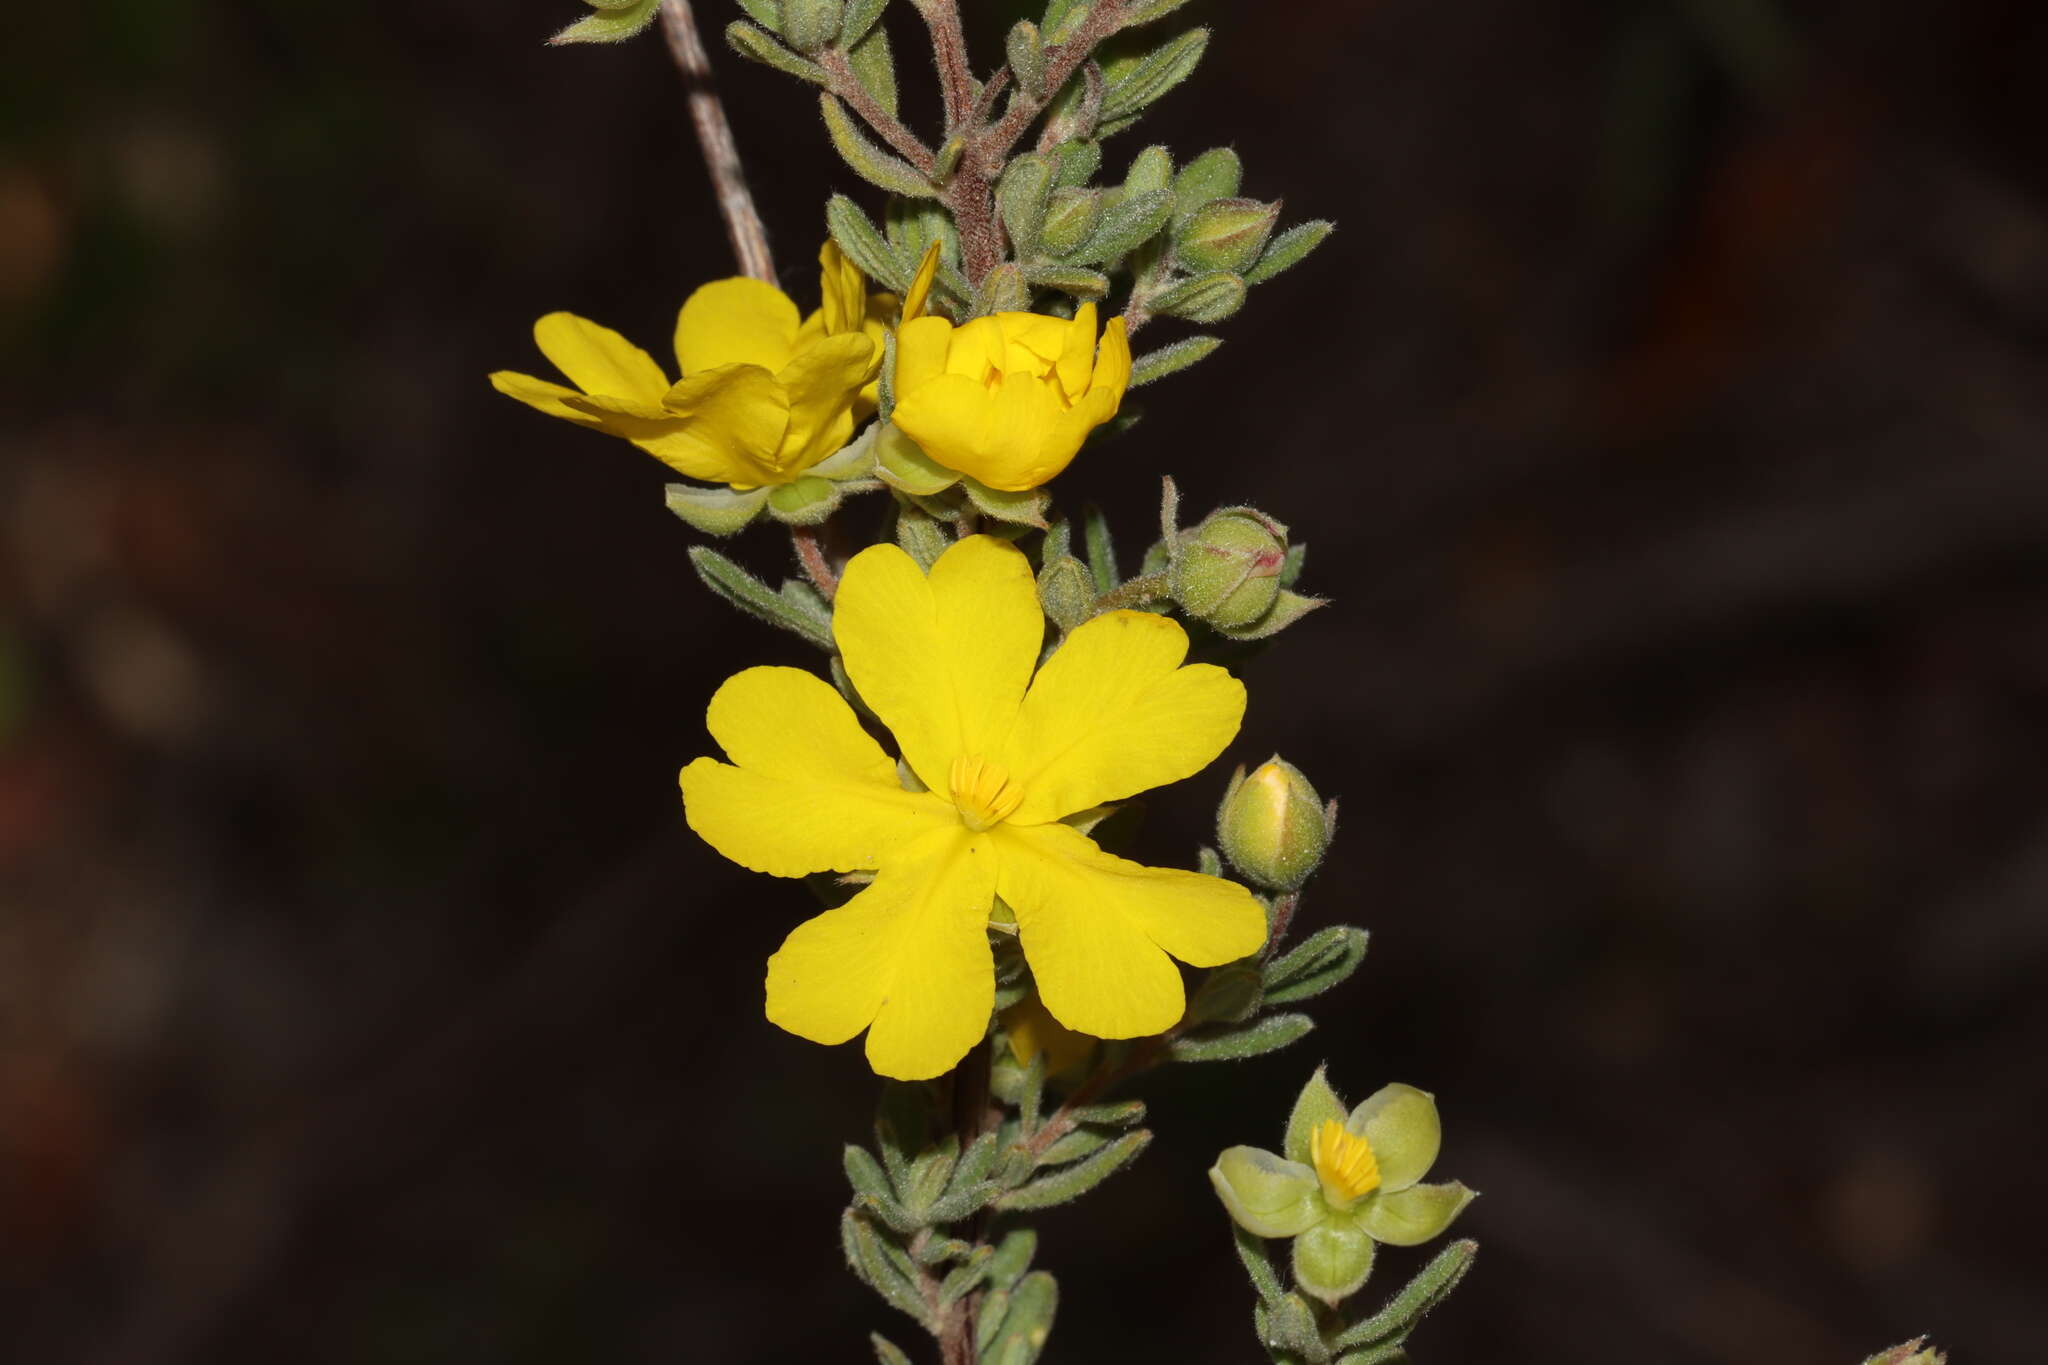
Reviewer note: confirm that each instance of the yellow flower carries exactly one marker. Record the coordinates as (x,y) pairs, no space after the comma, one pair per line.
(1008,398)
(945,660)
(763,396)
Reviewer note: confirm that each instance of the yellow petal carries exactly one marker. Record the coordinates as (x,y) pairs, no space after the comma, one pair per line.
(811,792)
(921,348)
(597,359)
(727,425)
(1112,372)
(543,396)
(907,959)
(921,286)
(842,290)
(823,381)
(1039,344)
(739,321)
(1097,929)
(943,660)
(977,349)
(1114,713)
(1014,436)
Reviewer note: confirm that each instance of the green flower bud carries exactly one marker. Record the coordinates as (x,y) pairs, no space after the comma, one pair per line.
(1332,1259)
(1266,1195)
(808,25)
(1226,234)
(1069,218)
(1067,592)
(1272,825)
(1227,570)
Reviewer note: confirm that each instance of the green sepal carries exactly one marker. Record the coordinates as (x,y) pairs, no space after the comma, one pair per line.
(1287,608)
(1172,358)
(1215,174)
(757,44)
(1319,962)
(791,611)
(1205,298)
(1418,1214)
(871,163)
(886,1351)
(1070,216)
(808,25)
(902,464)
(1026,1322)
(1071,1182)
(715,511)
(869,1256)
(1124,226)
(874,66)
(1430,1287)
(1332,1259)
(1209,862)
(1239,1041)
(1027,508)
(1077,280)
(1135,85)
(1101,546)
(1224,234)
(613,23)
(1151,169)
(1297,559)
(853,462)
(1288,248)
(1002,290)
(804,501)
(1021,197)
(1317,1104)
(861,15)
(864,244)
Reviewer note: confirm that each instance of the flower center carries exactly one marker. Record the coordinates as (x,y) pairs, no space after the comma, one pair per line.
(983,792)
(1344,1163)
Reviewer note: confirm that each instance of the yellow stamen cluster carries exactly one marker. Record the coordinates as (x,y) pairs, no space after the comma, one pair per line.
(1344,1163)
(983,792)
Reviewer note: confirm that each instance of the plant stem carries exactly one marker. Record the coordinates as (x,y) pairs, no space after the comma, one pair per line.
(949,48)
(714,136)
(810,552)
(1104,18)
(887,126)
(1148,588)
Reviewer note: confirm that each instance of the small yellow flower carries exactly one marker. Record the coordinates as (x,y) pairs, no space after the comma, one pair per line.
(1344,1163)
(763,396)
(1009,398)
(945,660)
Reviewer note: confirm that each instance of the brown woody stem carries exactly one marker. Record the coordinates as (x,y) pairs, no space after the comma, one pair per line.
(714,136)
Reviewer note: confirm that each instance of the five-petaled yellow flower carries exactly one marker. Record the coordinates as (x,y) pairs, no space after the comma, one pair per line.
(945,660)
(1008,398)
(763,396)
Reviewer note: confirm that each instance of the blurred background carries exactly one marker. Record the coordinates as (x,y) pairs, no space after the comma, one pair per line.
(1667,419)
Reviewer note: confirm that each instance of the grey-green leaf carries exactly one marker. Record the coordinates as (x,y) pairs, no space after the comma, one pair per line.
(1077,280)
(1073,1181)
(1319,962)
(1205,298)
(1026,1321)
(1124,226)
(1013,1257)
(868,161)
(868,1256)
(1215,174)
(1251,1251)
(1021,197)
(864,244)
(1430,1287)
(1152,76)
(861,15)
(875,67)
(1240,1041)
(611,24)
(759,45)
(756,598)
(886,1351)
(1288,248)
(1172,358)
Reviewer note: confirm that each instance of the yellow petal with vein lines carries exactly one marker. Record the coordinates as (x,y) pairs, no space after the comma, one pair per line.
(539,394)
(943,659)
(907,959)
(597,359)
(1097,929)
(739,321)
(823,382)
(1114,713)
(810,792)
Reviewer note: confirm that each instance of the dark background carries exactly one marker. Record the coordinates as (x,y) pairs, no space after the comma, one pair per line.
(1666,418)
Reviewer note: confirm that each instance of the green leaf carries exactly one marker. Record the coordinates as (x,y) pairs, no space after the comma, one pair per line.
(865,1173)
(1240,1041)
(995,1306)
(864,244)
(966,1276)
(1215,174)
(860,16)
(1172,358)
(1073,1146)
(715,511)
(1079,159)
(939,1250)
(1025,49)
(889,1213)
(1205,298)
(1101,548)
(759,45)
(900,1126)
(1146,13)
(868,161)
(1124,226)
(762,12)
(1288,248)
(1026,508)
(886,1351)
(1021,197)
(1257,1264)
(975,1164)
(1319,962)
(874,67)
(1013,1257)
(756,598)
(1110,1113)
(1431,1286)
(1002,290)
(1151,169)
(613,23)
(869,1257)
(1077,280)
(1026,1322)
(1073,1181)
(1151,76)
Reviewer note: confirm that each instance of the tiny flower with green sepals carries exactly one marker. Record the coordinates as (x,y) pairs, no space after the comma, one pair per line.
(1273,826)
(1343,1184)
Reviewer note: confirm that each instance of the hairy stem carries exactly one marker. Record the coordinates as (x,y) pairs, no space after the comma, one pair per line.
(817,565)
(1149,588)
(887,126)
(1104,18)
(714,136)
(949,48)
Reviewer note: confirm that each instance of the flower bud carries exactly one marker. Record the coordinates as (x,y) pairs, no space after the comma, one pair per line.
(1272,825)
(1227,570)
(1067,592)
(808,25)
(1332,1259)
(1226,234)
(1069,218)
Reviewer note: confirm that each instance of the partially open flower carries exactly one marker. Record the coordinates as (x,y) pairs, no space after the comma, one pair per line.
(1344,1183)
